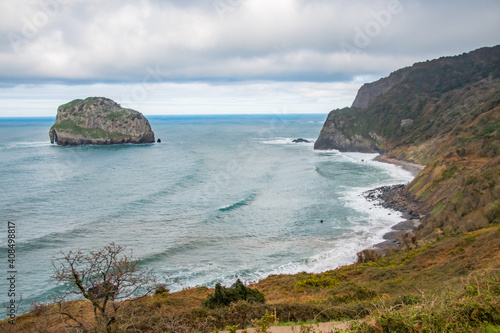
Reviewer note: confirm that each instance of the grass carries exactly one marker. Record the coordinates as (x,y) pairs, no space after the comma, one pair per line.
(123,114)
(110,111)
(72,104)
(451,284)
(473,307)
(297,323)
(73,128)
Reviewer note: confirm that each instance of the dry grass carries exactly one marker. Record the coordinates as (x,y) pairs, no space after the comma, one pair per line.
(396,287)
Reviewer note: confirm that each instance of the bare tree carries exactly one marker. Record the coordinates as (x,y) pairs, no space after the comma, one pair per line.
(104,278)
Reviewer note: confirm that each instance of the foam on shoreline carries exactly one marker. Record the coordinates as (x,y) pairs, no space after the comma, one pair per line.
(381,220)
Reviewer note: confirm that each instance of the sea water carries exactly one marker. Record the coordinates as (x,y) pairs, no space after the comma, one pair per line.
(221,198)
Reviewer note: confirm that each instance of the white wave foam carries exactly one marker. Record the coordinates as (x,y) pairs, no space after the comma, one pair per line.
(287,141)
(329,152)
(375,221)
(25,145)
(368,228)
(33,143)
(398,174)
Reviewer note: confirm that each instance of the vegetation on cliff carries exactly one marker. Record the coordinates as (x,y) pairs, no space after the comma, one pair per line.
(427,101)
(445,114)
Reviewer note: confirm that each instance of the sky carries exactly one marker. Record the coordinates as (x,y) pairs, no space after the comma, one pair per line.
(223,56)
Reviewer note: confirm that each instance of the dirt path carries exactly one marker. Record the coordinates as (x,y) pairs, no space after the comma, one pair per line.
(309,328)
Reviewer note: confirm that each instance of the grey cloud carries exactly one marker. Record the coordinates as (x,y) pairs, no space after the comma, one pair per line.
(282,40)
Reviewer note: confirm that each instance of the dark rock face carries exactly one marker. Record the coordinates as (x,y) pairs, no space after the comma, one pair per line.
(300,140)
(337,134)
(332,139)
(369,91)
(99,121)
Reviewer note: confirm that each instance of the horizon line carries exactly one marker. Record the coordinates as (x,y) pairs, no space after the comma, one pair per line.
(188,114)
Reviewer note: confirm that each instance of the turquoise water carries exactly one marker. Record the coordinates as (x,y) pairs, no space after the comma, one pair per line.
(221,198)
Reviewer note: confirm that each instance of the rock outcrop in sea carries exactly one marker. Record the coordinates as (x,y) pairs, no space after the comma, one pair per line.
(333,136)
(99,121)
(300,140)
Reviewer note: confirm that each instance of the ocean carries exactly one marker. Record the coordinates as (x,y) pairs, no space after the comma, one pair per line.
(222,197)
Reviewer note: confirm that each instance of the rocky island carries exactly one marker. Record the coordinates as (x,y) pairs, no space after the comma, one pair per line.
(99,121)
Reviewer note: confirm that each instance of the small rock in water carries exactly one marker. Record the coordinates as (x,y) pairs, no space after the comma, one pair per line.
(300,140)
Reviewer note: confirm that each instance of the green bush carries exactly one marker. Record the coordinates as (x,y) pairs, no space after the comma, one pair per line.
(493,214)
(448,173)
(237,292)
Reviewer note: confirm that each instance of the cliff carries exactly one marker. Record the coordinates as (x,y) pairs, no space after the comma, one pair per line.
(99,121)
(369,91)
(416,104)
(445,114)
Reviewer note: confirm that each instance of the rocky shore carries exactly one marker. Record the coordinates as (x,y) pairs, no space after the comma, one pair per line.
(391,197)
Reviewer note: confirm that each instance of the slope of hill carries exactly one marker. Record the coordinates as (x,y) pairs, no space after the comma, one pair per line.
(415,104)
(445,114)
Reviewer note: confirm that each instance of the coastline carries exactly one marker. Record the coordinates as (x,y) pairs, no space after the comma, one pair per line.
(390,197)
(413,168)
(402,232)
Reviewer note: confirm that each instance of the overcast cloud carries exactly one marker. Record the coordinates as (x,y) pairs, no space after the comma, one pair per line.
(223,56)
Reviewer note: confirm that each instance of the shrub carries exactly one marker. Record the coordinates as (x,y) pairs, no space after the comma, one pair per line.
(265,322)
(367,256)
(449,172)
(38,309)
(493,214)
(237,292)
(317,280)
(475,306)
(103,277)
(161,289)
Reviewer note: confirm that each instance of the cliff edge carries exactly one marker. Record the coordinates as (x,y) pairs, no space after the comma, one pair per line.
(416,104)
(369,91)
(99,121)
